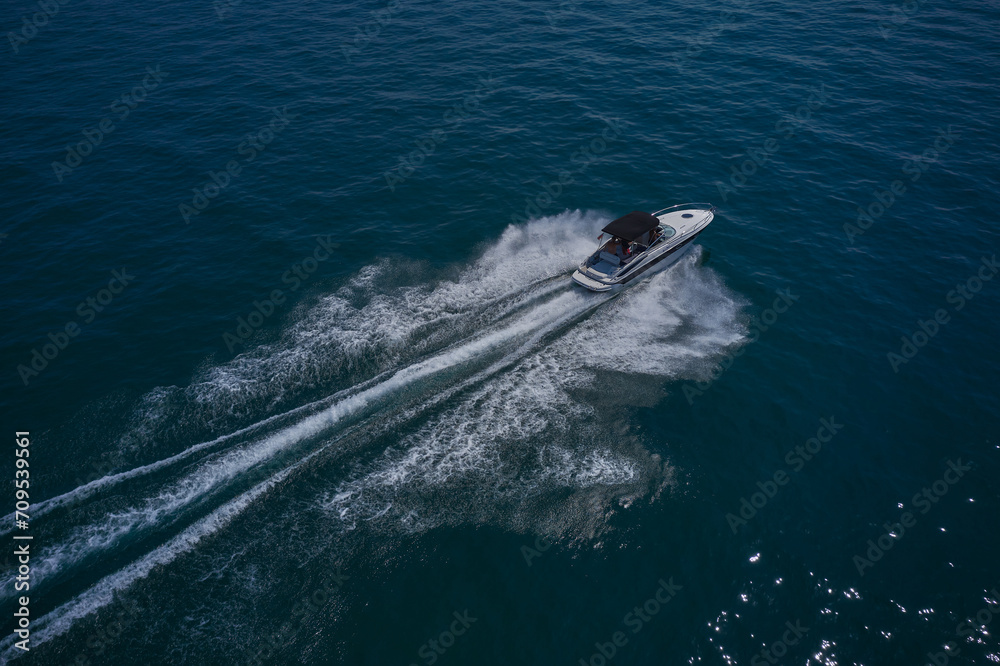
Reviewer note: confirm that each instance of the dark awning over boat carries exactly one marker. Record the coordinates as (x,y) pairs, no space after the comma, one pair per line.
(631,226)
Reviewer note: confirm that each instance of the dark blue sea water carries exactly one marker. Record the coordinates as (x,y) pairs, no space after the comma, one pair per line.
(288,319)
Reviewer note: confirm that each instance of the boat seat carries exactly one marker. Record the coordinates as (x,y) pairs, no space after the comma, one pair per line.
(604,268)
(610,258)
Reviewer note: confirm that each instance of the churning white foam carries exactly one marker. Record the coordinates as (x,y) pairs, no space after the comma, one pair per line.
(374,322)
(526,432)
(336,333)
(333,334)
(217,472)
(525,442)
(101,594)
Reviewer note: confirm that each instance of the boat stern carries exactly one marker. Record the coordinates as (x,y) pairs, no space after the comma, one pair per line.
(590,283)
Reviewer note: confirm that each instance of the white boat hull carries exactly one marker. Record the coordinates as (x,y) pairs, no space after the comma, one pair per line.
(687,221)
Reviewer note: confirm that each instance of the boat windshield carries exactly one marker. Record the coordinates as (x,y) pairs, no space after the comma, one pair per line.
(616,252)
(661,232)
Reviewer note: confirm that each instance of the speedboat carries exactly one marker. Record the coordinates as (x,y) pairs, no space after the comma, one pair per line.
(641,244)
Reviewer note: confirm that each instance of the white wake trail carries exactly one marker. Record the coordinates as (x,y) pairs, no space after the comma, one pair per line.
(60,620)
(521,259)
(515,443)
(215,474)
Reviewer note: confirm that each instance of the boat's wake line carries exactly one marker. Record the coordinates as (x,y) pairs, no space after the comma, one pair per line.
(92,488)
(554,420)
(335,336)
(509,426)
(216,472)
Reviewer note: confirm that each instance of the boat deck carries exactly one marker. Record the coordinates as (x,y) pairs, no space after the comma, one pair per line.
(686,220)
